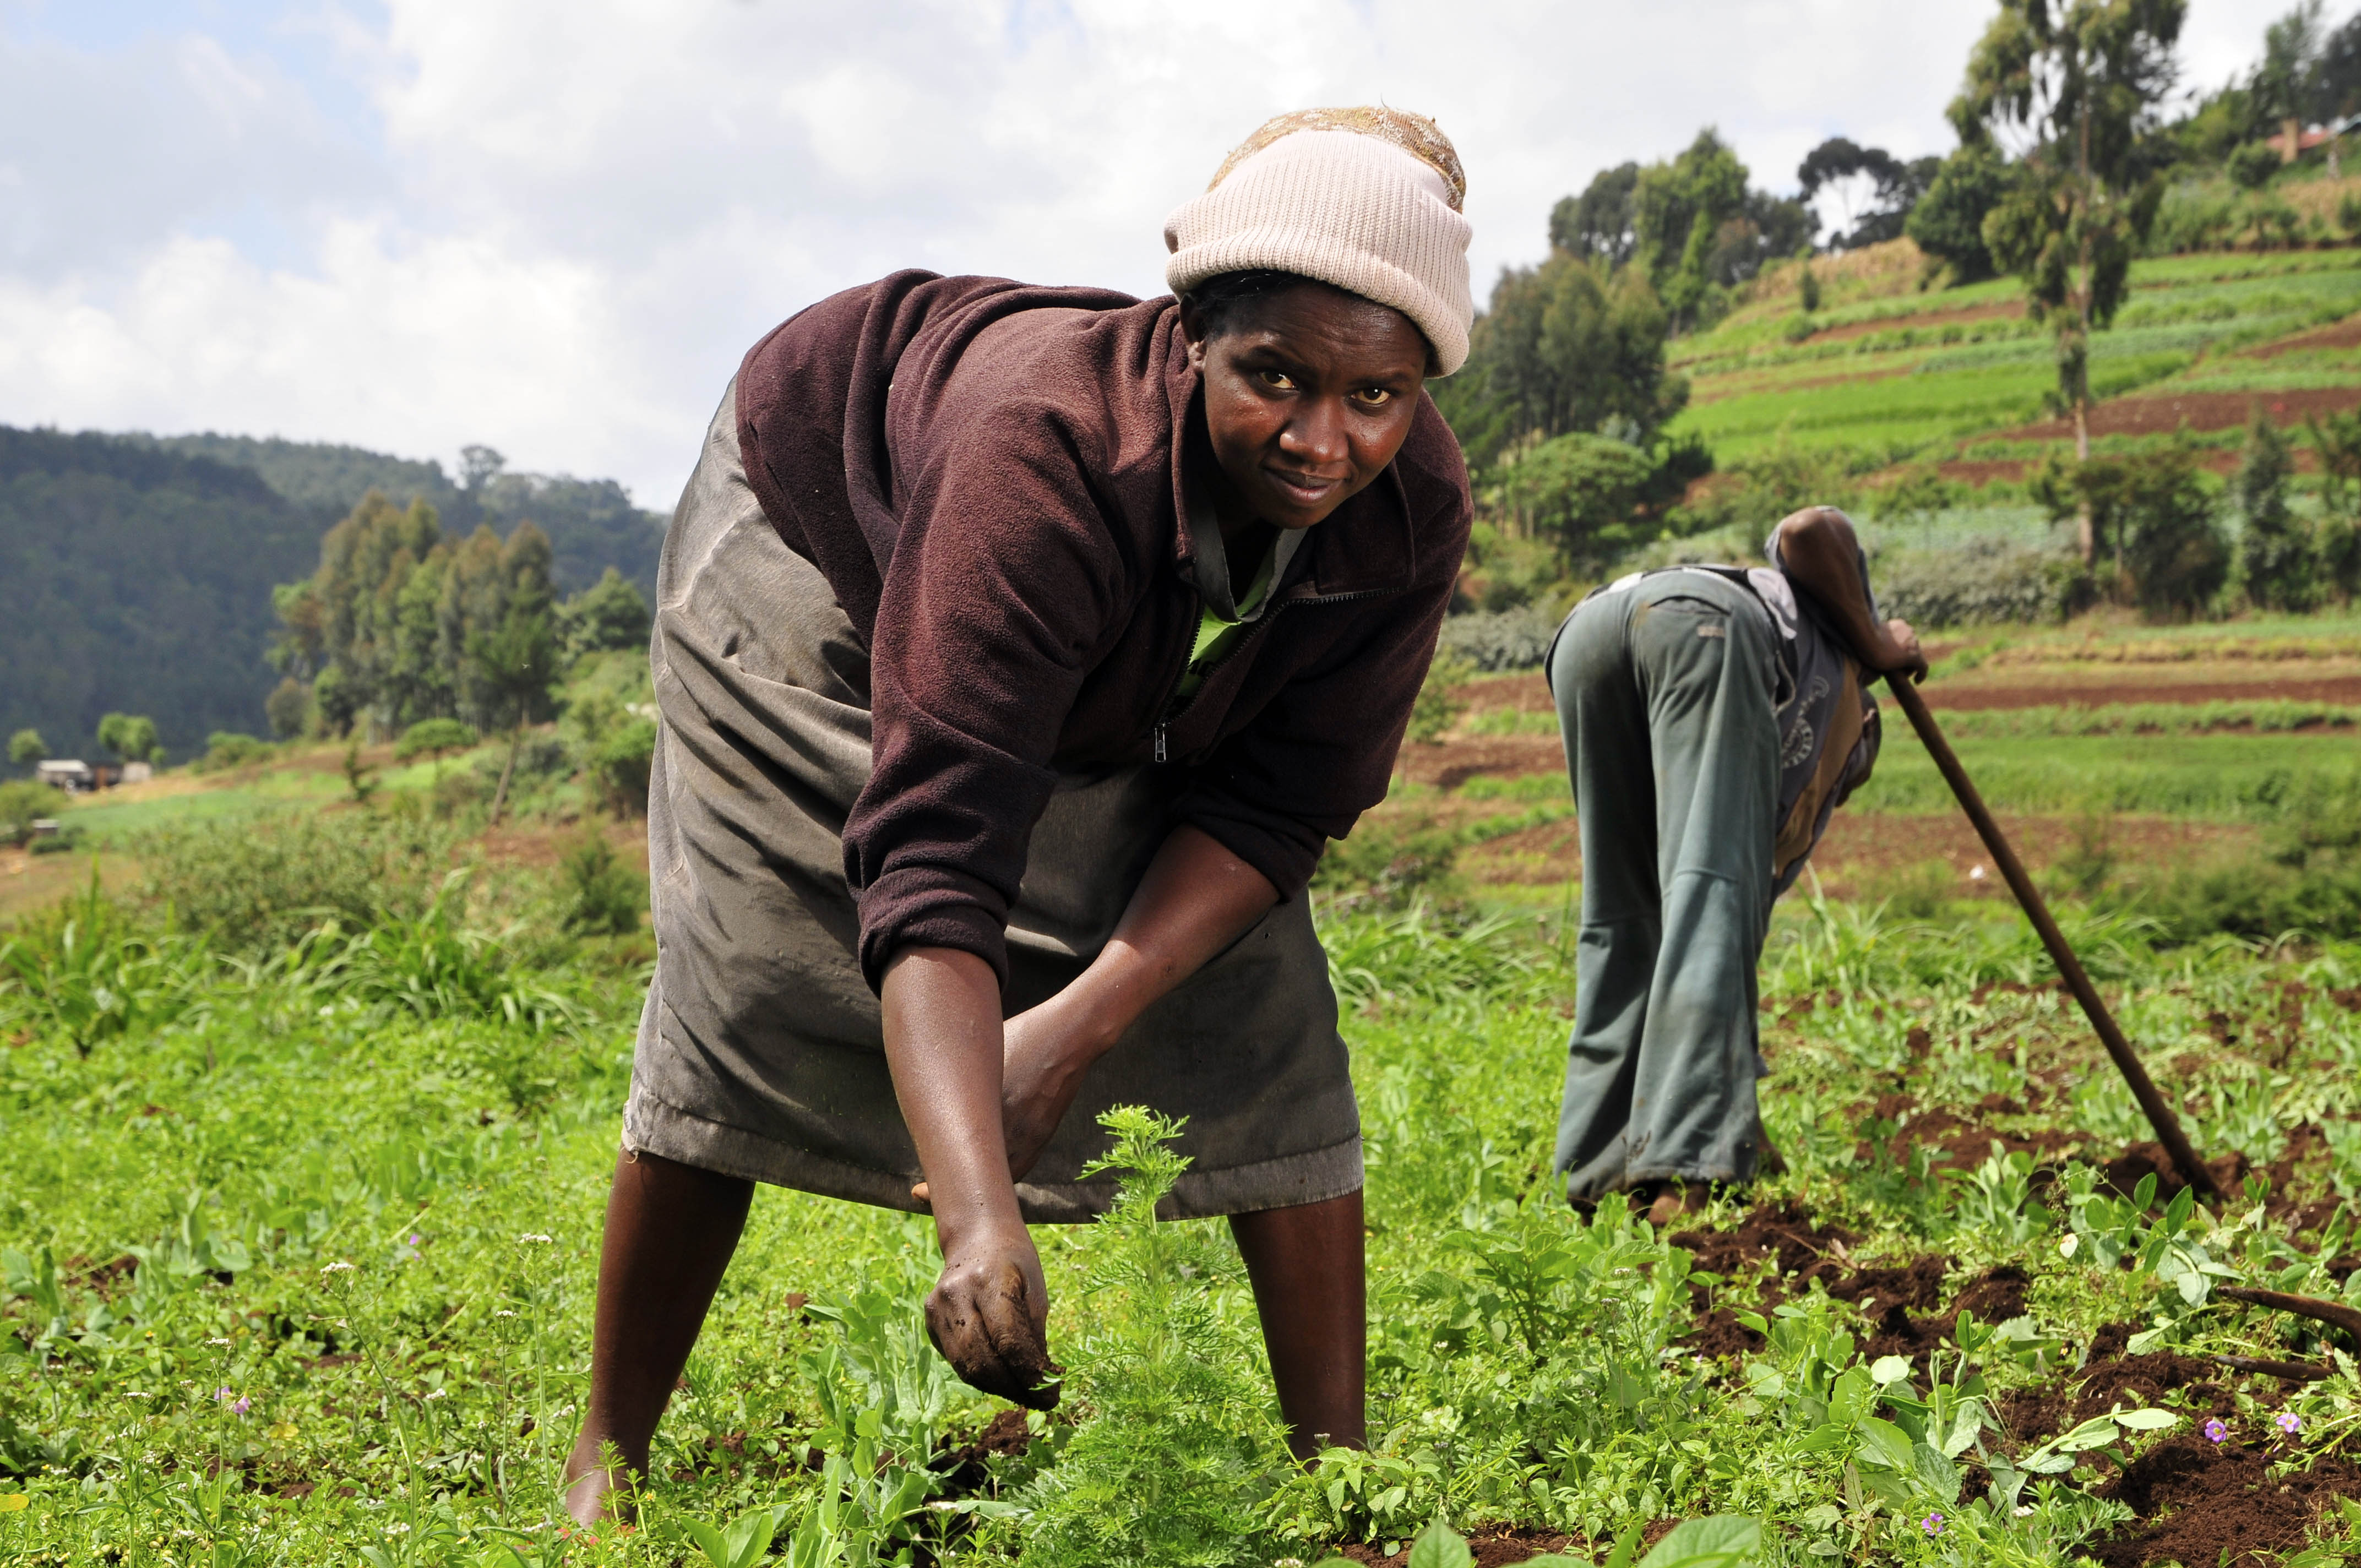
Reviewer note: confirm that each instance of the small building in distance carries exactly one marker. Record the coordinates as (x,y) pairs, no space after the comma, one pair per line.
(70,774)
(136,773)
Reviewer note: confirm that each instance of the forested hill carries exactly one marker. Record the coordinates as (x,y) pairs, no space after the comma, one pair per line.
(135,571)
(591,523)
(137,579)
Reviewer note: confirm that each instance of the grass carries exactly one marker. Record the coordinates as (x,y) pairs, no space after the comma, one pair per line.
(362,1233)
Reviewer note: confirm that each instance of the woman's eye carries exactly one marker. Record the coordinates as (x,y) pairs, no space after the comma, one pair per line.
(1374,397)
(1278,380)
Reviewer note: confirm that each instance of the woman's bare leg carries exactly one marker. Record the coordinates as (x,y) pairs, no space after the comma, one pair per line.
(1307,1265)
(670,1231)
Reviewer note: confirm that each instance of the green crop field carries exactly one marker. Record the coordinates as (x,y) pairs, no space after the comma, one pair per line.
(298,1244)
(1896,373)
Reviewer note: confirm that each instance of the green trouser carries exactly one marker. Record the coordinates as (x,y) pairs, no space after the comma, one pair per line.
(1665,693)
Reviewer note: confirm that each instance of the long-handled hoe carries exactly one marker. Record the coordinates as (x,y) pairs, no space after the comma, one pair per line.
(2159,1114)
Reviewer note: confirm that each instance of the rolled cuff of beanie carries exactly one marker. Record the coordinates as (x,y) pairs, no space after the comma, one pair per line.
(1345,209)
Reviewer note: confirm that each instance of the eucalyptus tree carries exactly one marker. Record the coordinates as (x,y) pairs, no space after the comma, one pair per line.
(2075,84)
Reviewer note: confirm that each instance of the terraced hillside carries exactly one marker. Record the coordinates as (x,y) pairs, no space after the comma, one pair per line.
(1961,375)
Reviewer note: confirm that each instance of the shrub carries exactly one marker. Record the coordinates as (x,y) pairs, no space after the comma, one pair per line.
(288,708)
(1439,700)
(2282,558)
(24,802)
(431,737)
(1509,640)
(619,765)
(256,892)
(26,748)
(1984,582)
(1581,489)
(1391,864)
(2178,558)
(603,896)
(2252,166)
(227,749)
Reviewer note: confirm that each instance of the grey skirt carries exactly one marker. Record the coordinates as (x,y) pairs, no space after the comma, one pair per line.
(760,1051)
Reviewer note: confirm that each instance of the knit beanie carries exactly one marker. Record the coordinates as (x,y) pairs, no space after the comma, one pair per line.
(1365,199)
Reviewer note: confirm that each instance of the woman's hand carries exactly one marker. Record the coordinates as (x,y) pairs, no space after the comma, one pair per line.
(989,1311)
(1049,1049)
(988,1315)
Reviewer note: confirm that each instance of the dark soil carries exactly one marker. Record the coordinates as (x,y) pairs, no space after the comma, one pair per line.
(2218,1503)
(2110,1378)
(1492,1546)
(1785,1234)
(2161,415)
(963,1463)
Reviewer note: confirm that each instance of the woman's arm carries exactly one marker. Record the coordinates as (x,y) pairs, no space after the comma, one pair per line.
(960,1075)
(1195,899)
(989,1311)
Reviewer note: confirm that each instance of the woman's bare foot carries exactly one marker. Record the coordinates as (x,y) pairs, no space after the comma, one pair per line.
(599,1484)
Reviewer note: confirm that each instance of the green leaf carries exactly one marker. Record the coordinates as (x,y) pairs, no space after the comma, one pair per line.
(2096,1433)
(1723,1541)
(1884,1444)
(1439,1546)
(2146,1420)
(1889,1369)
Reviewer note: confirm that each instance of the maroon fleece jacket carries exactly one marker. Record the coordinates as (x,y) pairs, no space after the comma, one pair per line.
(999,482)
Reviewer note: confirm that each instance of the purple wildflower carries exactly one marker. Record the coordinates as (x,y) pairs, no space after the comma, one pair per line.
(416,1238)
(1932,1524)
(2215,1430)
(221,1396)
(2289,1423)
(242,1406)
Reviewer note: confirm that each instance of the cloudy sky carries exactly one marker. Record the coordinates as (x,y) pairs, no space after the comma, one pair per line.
(555,225)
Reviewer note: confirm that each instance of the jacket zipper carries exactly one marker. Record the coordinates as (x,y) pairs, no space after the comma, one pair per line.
(1170,713)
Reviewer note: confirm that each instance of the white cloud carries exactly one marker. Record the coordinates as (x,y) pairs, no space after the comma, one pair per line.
(579,213)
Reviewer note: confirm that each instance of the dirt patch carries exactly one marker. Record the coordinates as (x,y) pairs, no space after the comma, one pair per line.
(2161,415)
(963,1466)
(2145,686)
(1492,1546)
(2345,334)
(2201,1502)
(1786,1234)
(1917,1285)
(1995,1298)
(2111,1379)
(1719,1334)
(1453,762)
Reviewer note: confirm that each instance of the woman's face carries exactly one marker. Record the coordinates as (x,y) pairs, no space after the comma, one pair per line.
(1309,393)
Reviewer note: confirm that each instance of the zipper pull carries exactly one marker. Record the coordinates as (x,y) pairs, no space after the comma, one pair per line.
(1159,742)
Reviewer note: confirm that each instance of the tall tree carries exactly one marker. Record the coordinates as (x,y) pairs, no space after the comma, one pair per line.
(2079,81)
(1566,346)
(383,628)
(1876,189)
(514,667)
(1596,225)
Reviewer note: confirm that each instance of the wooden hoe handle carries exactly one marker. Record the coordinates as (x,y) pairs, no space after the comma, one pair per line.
(2159,1114)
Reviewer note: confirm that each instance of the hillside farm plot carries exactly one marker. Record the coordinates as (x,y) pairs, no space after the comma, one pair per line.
(1898,374)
